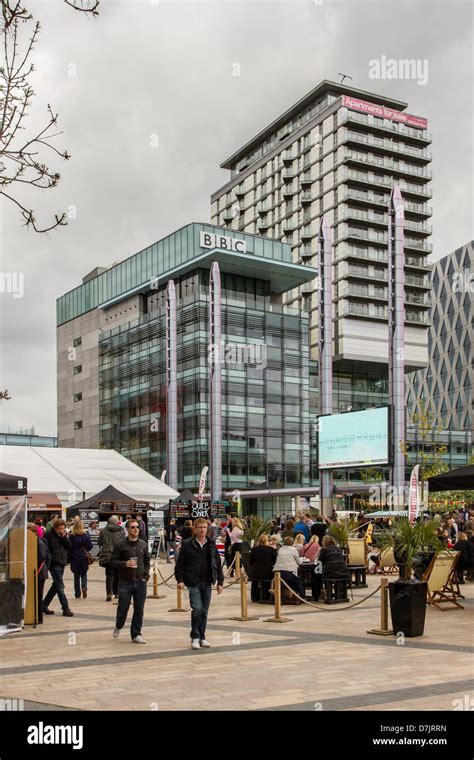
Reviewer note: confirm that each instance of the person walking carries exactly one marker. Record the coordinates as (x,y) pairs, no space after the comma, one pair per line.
(199,567)
(81,545)
(236,535)
(131,559)
(108,539)
(59,548)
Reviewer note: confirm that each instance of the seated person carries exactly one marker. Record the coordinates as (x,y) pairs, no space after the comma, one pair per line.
(466,556)
(299,543)
(262,558)
(287,564)
(311,549)
(332,559)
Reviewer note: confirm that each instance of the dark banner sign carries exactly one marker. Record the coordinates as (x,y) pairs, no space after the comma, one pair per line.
(194,508)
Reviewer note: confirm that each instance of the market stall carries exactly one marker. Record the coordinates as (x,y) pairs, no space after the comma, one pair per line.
(13,542)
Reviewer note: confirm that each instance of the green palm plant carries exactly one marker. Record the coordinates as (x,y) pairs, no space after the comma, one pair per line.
(256,527)
(341,531)
(410,540)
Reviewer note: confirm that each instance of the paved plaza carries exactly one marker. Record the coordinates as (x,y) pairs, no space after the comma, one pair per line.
(321,660)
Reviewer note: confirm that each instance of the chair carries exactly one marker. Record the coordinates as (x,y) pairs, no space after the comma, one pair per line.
(357,561)
(387,560)
(439,577)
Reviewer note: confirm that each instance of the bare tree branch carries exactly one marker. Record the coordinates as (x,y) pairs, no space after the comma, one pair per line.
(19,150)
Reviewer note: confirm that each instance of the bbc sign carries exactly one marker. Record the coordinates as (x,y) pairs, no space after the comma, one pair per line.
(210,240)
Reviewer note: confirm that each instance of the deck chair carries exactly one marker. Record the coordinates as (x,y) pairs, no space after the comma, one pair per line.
(439,577)
(387,562)
(357,561)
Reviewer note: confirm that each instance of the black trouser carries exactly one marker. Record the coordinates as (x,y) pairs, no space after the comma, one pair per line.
(41,582)
(293,581)
(260,587)
(127,592)
(111,580)
(316,586)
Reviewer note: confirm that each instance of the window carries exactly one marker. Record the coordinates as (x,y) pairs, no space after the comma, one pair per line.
(78,425)
(78,397)
(77,342)
(78,369)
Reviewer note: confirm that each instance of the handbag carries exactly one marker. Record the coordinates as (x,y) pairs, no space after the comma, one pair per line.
(89,557)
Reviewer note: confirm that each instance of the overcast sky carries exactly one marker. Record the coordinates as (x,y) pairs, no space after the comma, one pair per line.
(166,69)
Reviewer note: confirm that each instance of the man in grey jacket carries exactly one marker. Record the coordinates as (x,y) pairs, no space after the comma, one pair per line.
(108,539)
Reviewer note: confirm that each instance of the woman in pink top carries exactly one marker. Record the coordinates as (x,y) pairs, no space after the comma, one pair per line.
(311,550)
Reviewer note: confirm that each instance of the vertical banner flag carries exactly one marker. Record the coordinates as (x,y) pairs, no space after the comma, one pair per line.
(414,498)
(202,480)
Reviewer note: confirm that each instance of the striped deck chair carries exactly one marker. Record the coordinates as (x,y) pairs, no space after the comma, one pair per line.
(439,577)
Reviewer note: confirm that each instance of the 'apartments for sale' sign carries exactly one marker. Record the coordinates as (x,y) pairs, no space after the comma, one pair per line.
(384,113)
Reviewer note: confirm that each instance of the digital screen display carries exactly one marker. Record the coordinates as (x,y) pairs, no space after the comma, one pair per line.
(354,439)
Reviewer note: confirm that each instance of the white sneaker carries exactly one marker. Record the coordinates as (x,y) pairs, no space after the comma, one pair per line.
(139,640)
(116,633)
(204,643)
(195,644)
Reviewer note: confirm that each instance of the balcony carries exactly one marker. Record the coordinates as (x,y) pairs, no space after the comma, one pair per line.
(306,178)
(262,208)
(288,226)
(239,191)
(287,191)
(262,224)
(382,219)
(288,156)
(386,145)
(386,163)
(369,311)
(420,299)
(305,197)
(288,175)
(306,233)
(228,215)
(417,261)
(388,127)
(417,282)
(306,253)
(382,201)
(368,178)
(417,317)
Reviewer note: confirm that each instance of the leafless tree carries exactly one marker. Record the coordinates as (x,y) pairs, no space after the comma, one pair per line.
(4,396)
(21,154)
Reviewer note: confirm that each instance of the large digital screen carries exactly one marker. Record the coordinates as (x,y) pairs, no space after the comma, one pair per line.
(354,439)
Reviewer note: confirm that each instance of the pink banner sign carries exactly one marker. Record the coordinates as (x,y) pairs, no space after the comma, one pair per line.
(414,499)
(383,112)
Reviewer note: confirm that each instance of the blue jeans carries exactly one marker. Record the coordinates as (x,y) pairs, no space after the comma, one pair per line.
(57,572)
(200,600)
(126,592)
(80,581)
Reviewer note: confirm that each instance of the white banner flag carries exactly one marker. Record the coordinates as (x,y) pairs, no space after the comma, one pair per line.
(202,480)
(414,498)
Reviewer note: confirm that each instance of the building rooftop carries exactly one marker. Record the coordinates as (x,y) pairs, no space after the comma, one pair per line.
(304,102)
(181,252)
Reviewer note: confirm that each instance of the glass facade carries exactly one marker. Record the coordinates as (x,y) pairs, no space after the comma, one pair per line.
(265,385)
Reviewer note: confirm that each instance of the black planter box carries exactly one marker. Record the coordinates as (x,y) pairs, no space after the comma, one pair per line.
(408,607)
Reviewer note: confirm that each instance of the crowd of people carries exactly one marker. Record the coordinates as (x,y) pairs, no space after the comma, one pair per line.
(289,543)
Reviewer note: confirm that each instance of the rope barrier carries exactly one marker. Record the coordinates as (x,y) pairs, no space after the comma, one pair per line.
(323,607)
(167,579)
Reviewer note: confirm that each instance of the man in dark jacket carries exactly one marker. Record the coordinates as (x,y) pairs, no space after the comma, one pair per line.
(319,528)
(198,567)
(108,539)
(58,545)
(132,561)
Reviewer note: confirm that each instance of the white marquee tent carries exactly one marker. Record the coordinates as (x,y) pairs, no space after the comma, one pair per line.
(77,474)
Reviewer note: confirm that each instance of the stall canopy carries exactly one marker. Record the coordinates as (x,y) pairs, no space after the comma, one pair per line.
(461,479)
(105,501)
(12,485)
(75,474)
